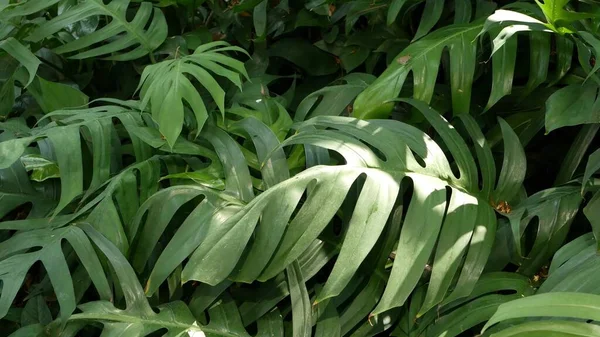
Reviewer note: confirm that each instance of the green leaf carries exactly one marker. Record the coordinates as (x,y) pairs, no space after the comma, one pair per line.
(556,328)
(32,330)
(328,320)
(16,266)
(592,166)
(568,305)
(554,210)
(24,8)
(165,86)
(225,320)
(539,60)
(427,207)
(573,159)
(271,325)
(36,311)
(301,308)
(260,18)
(431,14)
(423,59)
(395,7)
(592,213)
(503,68)
(512,23)
(53,96)
(305,55)
(332,100)
(66,144)
(574,268)
(142,32)
(15,49)
(572,105)
(12,149)
(138,316)
(556,14)
(454,318)
(514,166)
(231,235)
(41,167)
(353,57)
(199,177)
(454,239)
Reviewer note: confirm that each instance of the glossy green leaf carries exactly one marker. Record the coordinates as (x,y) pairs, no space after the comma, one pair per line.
(301,307)
(574,268)
(514,166)
(556,14)
(503,68)
(165,86)
(260,18)
(12,149)
(395,7)
(423,58)
(568,305)
(576,153)
(36,311)
(572,105)
(271,325)
(559,328)
(15,267)
(142,32)
(53,96)
(41,167)
(431,14)
(20,53)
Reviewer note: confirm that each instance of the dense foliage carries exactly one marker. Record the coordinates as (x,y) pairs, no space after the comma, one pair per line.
(299,168)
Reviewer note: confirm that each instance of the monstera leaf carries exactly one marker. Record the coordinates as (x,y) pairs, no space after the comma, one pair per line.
(15,266)
(423,59)
(63,143)
(292,213)
(455,317)
(432,13)
(128,39)
(573,268)
(577,306)
(165,86)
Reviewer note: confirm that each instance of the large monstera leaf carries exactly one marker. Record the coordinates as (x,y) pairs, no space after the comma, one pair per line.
(137,318)
(258,237)
(566,313)
(60,140)
(107,199)
(464,43)
(119,40)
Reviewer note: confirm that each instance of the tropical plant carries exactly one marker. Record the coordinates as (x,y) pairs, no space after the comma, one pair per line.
(299,168)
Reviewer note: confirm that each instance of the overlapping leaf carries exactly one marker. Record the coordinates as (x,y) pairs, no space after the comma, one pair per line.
(564,305)
(227,224)
(120,40)
(423,58)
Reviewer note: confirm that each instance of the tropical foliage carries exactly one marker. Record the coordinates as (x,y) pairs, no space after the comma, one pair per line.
(299,168)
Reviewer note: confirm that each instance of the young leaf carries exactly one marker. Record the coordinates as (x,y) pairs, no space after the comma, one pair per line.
(165,86)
